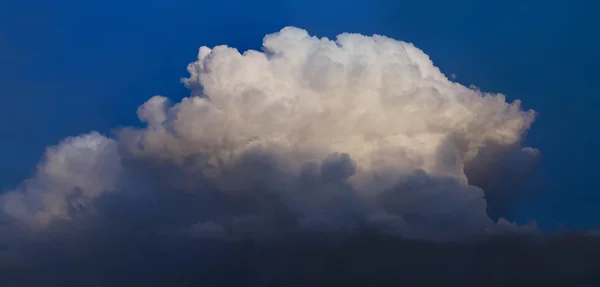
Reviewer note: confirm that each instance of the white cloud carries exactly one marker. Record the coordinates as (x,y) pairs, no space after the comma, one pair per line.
(71,175)
(325,128)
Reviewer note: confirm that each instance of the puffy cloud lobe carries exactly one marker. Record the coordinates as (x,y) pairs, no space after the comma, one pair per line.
(72,174)
(500,170)
(335,134)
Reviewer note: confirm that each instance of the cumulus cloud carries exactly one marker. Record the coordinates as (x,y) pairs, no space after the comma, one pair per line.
(309,133)
(71,176)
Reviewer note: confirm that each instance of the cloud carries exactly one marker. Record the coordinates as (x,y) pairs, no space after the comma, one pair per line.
(296,261)
(310,134)
(355,161)
(71,176)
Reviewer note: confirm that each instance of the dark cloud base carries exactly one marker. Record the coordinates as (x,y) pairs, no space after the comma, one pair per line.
(362,260)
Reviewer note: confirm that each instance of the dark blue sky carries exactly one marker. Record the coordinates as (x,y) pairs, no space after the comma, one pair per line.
(67,67)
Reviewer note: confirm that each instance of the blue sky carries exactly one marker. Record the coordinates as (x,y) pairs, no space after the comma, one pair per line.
(68,67)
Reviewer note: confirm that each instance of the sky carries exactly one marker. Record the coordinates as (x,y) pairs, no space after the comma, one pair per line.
(110,171)
(69,67)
